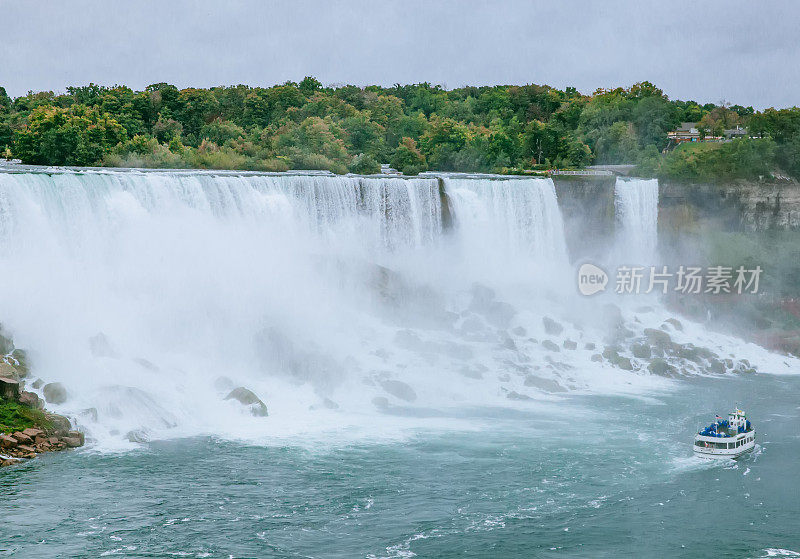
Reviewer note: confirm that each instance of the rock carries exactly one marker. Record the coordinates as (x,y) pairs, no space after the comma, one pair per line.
(481,295)
(72,442)
(546,384)
(380,402)
(28,450)
(551,326)
(675,323)
(519,331)
(30,399)
(590,346)
(8,462)
(7,441)
(597,357)
(38,383)
(399,390)
(246,397)
(617,360)
(517,396)
(32,432)
(91,413)
(78,435)
(21,357)
(473,372)
(660,367)
(7,370)
(9,389)
(547,344)
(54,393)
(60,425)
(500,314)
(22,438)
(139,436)
(641,351)
(658,337)
(644,309)
(716,366)
(569,344)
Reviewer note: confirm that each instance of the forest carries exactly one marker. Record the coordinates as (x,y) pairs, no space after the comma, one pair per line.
(414,128)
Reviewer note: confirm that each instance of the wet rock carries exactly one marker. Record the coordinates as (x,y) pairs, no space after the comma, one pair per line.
(545,384)
(9,388)
(59,425)
(641,351)
(519,331)
(551,346)
(500,314)
(7,370)
(596,357)
(38,383)
(54,393)
(8,462)
(91,413)
(7,441)
(517,396)
(552,327)
(508,343)
(30,399)
(716,366)
(138,436)
(22,438)
(145,363)
(399,390)
(729,363)
(246,397)
(590,346)
(21,358)
(72,442)
(613,356)
(675,323)
(569,344)
(658,337)
(32,432)
(380,402)
(660,367)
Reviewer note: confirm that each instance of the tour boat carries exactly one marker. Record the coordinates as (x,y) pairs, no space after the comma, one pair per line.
(726,438)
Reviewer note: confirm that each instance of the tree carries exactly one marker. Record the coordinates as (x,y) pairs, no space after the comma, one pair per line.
(408,159)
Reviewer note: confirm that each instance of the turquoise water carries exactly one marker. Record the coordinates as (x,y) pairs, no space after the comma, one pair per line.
(613,477)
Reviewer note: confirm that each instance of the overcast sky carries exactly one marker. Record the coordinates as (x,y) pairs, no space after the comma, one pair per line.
(745,52)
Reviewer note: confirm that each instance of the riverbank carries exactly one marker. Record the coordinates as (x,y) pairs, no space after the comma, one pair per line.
(26,428)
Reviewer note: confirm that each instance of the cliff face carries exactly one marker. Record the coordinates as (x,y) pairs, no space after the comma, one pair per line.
(739,206)
(587,206)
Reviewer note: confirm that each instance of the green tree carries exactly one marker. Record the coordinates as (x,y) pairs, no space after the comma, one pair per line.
(408,159)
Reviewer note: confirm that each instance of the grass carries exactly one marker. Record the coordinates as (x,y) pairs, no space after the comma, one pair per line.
(15,417)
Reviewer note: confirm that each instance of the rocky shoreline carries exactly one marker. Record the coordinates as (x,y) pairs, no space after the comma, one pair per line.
(26,429)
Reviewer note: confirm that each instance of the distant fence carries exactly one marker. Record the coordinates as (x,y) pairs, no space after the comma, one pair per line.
(584,172)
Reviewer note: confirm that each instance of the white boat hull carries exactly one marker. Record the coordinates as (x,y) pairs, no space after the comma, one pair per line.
(724,447)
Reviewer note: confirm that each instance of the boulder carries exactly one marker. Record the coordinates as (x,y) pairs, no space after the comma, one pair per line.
(517,396)
(247,398)
(658,337)
(545,384)
(641,351)
(59,425)
(54,393)
(590,346)
(617,360)
(597,357)
(519,331)
(551,326)
(7,370)
(138,436)
(660,367)
(547,344)
(78,435)
(32,432)
(399,390)
(22,438)
(30,399)
(7,441)
(569,344)
(38,383)
(8,462)
(675,323)
(27,450)
(9,389)
(72,442)
(21,357)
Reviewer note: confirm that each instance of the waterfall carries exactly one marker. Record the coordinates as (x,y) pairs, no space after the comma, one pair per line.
(151,295)
(636,203)
(503,221)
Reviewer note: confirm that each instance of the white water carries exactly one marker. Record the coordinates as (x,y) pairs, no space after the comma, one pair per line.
(151,295)
(636,202)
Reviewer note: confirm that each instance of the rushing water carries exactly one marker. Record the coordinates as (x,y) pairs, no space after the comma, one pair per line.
(435,384)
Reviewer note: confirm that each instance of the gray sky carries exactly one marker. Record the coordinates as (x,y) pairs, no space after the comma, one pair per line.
(745,52)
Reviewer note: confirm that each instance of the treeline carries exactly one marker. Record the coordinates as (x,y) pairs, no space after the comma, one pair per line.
(413,127)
